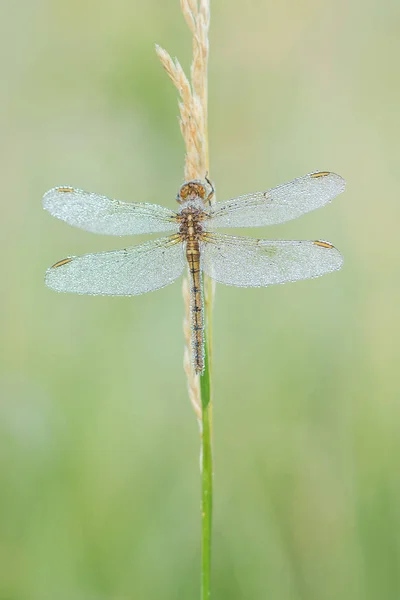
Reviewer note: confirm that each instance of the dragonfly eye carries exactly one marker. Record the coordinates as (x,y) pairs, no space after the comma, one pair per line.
(191,190)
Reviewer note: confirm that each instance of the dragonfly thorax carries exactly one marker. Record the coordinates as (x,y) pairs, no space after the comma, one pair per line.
(191,219)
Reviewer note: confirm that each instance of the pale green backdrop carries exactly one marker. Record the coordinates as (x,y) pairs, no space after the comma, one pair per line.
(99,478)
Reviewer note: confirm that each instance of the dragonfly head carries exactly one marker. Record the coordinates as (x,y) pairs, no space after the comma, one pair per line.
(193,190)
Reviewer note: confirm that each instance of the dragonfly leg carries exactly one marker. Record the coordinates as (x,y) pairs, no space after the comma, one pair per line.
(211,194)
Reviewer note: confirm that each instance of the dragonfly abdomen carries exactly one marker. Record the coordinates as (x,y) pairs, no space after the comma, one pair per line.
(196,304)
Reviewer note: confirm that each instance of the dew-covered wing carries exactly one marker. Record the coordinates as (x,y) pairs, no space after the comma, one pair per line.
(100,214)
(247,262)
(280,204)
(126,272)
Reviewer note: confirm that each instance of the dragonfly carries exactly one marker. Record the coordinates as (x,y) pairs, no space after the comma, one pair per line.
(193,242)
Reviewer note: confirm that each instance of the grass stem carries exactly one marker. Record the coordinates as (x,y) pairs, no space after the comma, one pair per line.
(194,128)
(206,472)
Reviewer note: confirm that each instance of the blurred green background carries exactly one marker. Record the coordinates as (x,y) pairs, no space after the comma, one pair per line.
(99,477)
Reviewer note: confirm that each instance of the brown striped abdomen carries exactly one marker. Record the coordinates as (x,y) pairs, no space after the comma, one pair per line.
(196,304)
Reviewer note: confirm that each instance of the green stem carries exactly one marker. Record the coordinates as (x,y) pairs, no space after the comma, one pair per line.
(206,457)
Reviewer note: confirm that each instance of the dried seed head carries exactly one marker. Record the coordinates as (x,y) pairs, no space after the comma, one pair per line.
(193,124)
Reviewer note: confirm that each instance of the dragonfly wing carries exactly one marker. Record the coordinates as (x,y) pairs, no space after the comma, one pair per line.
(280,204)
(248,262)
(126,272)
(100,214)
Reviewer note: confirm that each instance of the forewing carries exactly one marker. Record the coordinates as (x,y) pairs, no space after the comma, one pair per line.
(126,272)
(247,262)
(280,204)
(100,214)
